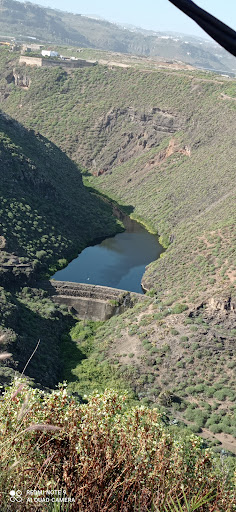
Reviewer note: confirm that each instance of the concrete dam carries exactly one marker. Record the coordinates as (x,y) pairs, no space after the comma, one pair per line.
(91,302)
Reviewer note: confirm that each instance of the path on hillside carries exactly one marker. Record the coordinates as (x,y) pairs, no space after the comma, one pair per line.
(209,208)
(226,97)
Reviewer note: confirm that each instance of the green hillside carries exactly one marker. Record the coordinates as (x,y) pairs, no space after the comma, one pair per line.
(152,141)
(46,216)
(162,144)
(46,213)
(25,21)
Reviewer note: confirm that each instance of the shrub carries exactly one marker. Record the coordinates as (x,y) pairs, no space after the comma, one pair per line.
(224,393)
(41,254)
(154,350)
(166,397)
(174,331)
(196,428)
(215,428)
(107,432)
(155,390)
(184,338)
(179,308)
(151,379)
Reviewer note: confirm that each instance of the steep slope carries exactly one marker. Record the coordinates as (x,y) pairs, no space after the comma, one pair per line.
(46,212)
(26,21)
(46,215)
(162,144)
(154,142)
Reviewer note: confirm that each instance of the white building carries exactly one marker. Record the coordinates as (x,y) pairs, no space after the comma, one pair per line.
(49,53)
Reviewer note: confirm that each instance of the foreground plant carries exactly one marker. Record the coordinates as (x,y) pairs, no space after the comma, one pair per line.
(101,456)
(195,503)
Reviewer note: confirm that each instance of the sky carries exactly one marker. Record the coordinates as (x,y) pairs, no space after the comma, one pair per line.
(159,15)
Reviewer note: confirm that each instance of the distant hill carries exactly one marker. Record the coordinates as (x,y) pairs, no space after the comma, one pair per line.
(25,21)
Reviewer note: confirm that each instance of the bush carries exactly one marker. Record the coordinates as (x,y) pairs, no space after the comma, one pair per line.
(196,428)
(216,429)
(90,448)
(166,397)
(174,331)
(224,393)
(179,308)
(184,338)
(40,255)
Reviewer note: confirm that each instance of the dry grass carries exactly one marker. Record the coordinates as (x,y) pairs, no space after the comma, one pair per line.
(104,457)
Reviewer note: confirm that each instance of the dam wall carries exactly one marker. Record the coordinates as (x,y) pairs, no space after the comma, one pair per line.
(91,302)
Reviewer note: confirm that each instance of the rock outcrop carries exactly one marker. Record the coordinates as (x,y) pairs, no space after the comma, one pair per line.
(225,304)
(149,128)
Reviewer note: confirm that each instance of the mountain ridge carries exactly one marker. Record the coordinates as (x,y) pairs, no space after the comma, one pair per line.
(59,27)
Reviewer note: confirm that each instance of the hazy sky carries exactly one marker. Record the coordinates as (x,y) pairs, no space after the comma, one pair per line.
(150,14)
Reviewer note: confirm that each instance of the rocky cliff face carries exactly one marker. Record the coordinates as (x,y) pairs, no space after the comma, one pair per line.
(127,132)
(224,304)
(19,79)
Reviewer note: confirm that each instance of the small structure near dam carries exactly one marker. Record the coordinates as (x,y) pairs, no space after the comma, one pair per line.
(52,62)
(91,302)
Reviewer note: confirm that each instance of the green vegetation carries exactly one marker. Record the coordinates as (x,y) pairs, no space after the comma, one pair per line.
(27,317)
(46,213)
(103,456)
(85,368)
(111,121)
(46,217)
(187,365)
(58,27)
(94,361)
(181,185)
(160,143)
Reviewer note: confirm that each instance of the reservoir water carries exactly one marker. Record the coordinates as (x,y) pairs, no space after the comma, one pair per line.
(118,262)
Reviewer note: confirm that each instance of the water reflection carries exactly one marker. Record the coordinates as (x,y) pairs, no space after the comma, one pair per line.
(118,262)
